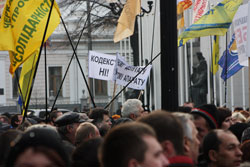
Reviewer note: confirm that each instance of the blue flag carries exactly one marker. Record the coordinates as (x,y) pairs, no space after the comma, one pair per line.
(230,61)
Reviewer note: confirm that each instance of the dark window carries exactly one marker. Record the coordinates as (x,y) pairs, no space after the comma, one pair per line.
(55,79)
(1,91)
(101,88)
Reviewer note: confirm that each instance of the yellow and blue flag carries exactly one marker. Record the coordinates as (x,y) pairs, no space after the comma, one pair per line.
(230,60)
(216,55)
(22,27)
(215,22)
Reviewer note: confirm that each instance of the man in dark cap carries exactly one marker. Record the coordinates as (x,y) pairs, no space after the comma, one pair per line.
(67,125)
(205,119)
(39,146)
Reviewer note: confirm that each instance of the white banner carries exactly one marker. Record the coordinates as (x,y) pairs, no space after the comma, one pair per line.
(101,65)
(240,30)
(124,73)
(200,7)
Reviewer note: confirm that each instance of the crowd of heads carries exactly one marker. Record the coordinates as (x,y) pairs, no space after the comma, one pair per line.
(203,136)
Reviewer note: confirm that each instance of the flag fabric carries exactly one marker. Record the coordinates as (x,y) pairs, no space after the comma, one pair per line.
(200,7)
(215,22)
(180,16)
(126,22)
(181,6)
(185,3)
(22,27)
(26,77)
(230,61)
(216,55)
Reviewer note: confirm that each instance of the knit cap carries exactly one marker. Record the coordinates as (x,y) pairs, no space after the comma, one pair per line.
(209,112)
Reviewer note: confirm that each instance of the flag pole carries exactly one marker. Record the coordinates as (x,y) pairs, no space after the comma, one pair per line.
(20,92)
(37,63)
(46,86)
(212,62)
(226,75)
(74,54)
(132,80)
(110,107)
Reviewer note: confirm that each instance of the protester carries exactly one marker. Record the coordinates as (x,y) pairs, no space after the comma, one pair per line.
(101,120)
(4,119)
(66,126)
(131,145)
(184,109)
(86,154)
(39,146)
(121,121)
(86,131)
(238,128)
(132,109)
(205,119)
(6,139)
(169,133)
(222,149)
(237,117)
(16,120)
(191,142)
(245,145)
(188,104)
(225,118)
(54,115)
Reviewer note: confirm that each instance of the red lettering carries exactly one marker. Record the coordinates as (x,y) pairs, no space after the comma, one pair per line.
(244,29)
(238,36)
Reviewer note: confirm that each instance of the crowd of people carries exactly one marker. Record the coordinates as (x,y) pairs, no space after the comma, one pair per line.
(203,136)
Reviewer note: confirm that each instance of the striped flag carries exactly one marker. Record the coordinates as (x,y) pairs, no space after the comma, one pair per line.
(215,22)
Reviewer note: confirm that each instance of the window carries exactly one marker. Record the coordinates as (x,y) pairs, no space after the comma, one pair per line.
(14,82)
(55,79)
(100,87)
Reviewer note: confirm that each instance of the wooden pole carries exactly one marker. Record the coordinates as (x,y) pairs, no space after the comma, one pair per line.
(111,106)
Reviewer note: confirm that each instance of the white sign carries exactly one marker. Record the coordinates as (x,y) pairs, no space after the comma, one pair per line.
(240,30)
(124,73)
(101,65)
(248,32)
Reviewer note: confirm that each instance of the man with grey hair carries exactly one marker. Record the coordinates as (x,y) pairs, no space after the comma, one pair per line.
(132,109)
(191,142)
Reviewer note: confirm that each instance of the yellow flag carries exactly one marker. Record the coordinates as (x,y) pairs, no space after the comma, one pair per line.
(180,16)
(22,27)
(26,77)
(215,22)
(181,6)
(126,22)
(216,55)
